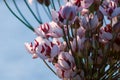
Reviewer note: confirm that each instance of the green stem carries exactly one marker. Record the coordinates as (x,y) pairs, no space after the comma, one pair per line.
(49,10)
(72,30)
(76,35)
(46,11)
(20,12)
(59,3)
(38,13)
(49,67)
(30,27)
(69,38)
(112,68)
(53,5)
(65,37)
(32,12)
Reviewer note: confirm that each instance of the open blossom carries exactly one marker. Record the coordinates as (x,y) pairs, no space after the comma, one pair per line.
(49,30)
(106,34)
(109,8)
(81,32)
(56,31)
(43,48)
(79,45)
(90,22)
(67,12)
(64,73)
(66,61)
(61,44)
(43,29)
(82,3)
(31,50)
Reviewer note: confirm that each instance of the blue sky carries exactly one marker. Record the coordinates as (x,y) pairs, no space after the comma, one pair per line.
(15,62)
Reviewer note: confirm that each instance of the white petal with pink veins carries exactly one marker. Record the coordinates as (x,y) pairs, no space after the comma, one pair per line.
(39,33)
(29,48)
(41,52)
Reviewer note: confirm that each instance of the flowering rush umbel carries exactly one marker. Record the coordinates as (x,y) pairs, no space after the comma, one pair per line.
(82,40)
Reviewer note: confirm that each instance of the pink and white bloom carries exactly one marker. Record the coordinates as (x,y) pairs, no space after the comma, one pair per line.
(90,22)
(66,61)
(79,45)
(67,12)
(43,29)
(81,32)
(43,48)
(61,44)
(109,8)
(86,3)
(64,73)
(82,3)
(49,30)
(105,34)
(56,31)
(31,50)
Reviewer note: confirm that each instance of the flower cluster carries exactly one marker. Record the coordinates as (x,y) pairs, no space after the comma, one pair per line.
(82,39)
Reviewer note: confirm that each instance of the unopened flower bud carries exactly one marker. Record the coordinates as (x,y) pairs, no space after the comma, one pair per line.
(40,1)
(77,23)
(68,11)
(47,2)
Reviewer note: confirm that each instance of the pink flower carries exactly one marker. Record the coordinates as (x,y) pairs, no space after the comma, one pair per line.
(66,61)
(86,3)
(76,2)
(81,32)
(64,73)
(49,30)
(82,3)
(31,50)
(79,45)
(43,48)
(61,44)
(90,22)
(67,12)
(43,29)
(109,8)
(105,34)
(56,31)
